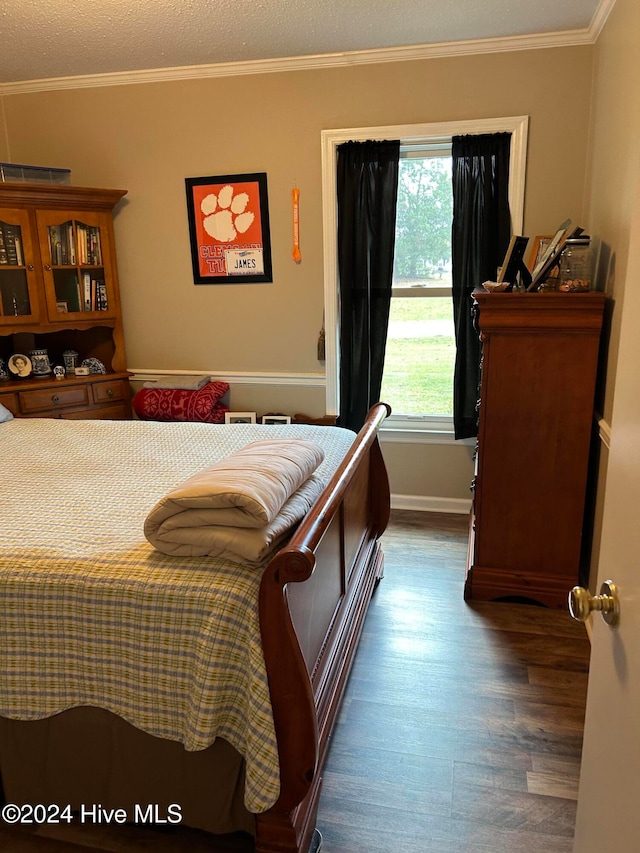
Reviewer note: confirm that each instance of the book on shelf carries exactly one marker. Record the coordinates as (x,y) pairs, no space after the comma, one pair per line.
(94,294)
(61,245)
(55,249)
(89,245)
(96,247)
(3,250)
(71,244)
(82,243)
(13,244)
(102,303)
(86,285)
(19,254)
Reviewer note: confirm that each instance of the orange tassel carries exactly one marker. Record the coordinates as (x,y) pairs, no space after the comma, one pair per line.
(297,257)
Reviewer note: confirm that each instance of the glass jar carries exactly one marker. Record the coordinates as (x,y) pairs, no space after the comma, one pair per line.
(575,265)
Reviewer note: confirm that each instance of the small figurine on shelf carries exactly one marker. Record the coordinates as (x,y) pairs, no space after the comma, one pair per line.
(59,371)
(3,370)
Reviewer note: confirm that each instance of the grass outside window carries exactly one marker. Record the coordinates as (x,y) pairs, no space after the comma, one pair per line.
(420,357)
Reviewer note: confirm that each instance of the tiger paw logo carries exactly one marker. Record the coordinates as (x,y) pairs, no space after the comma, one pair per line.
(226,214)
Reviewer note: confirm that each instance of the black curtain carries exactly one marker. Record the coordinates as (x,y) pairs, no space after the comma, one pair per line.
(367,188)
(479,240)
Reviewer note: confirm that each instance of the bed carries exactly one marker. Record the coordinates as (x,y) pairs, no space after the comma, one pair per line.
(130,705)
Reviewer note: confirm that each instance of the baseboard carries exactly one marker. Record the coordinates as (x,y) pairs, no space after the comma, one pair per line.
(423,503)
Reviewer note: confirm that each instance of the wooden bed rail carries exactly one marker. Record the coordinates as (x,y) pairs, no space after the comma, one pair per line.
(309,639)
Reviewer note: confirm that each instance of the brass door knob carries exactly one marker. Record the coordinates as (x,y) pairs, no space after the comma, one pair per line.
(582,603)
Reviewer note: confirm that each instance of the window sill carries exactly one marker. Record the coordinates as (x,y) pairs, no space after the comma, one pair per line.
(420,430)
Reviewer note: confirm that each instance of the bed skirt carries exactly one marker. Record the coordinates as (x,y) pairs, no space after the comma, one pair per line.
(86,756)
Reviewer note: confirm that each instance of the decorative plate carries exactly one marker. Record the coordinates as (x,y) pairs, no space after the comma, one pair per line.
(94,365)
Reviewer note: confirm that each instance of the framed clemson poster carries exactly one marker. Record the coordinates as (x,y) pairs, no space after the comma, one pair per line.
(229,229)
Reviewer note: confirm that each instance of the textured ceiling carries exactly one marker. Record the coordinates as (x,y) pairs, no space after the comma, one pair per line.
(42,39)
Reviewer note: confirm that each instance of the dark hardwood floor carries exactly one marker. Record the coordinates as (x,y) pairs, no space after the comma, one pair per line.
(461,729)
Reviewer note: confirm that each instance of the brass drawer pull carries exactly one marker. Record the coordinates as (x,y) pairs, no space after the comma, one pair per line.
(55,399)
(109,392)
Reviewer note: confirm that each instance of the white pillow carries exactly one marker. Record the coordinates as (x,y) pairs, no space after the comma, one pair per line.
(5,414)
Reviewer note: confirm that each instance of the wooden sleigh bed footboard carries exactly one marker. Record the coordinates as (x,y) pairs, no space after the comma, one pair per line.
(313,601)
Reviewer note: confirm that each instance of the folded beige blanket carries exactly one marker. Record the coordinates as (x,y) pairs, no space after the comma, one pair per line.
(242,506)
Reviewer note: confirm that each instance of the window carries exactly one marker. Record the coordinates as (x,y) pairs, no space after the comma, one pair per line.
(420,354)
(430,309)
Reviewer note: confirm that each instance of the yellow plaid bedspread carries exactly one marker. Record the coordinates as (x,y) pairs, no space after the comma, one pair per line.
(92,615)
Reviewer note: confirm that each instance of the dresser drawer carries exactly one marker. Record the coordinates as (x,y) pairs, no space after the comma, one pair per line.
(105,392)
(115,412)
(10,401)
(53,398)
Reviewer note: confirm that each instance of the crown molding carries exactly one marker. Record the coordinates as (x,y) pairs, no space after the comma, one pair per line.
(566,38)
(600,18)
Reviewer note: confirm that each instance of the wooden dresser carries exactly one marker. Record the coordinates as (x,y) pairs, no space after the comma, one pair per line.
(540,354)
(96,396)
(59,292)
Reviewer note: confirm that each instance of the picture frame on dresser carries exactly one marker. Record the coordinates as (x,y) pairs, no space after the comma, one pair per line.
(276,419)
(539,245)
(239,417)
(20,366)
(513,263)
(550,249)
(551,256)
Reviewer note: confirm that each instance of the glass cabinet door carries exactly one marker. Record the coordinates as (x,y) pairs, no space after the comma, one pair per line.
(18,295)
(77,266)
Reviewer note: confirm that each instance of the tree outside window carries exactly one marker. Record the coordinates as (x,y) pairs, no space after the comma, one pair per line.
(420,354)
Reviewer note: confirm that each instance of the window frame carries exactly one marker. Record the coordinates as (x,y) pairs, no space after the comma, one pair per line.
(417,427)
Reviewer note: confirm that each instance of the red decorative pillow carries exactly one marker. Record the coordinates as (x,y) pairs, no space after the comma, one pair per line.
(172,404)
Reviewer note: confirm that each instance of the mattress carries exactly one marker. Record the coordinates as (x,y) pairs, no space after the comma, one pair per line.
(91,614)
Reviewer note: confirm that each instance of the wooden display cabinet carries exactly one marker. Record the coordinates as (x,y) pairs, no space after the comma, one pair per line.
(59,290)
(540,353)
